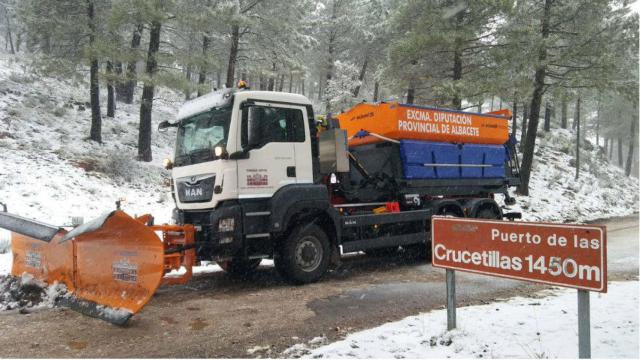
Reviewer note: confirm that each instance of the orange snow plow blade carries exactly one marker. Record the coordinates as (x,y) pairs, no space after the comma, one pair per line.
(111,266)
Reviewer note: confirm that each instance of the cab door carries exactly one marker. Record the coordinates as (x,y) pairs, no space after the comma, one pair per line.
(269,134)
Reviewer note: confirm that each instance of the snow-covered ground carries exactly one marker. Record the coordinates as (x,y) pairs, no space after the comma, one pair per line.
(51,172)
(540,327)
(6,261)
(601,191)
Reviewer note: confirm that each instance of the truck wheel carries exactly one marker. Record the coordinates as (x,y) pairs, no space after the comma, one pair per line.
(304,256)
(418,252)
(240,267)
(486,213)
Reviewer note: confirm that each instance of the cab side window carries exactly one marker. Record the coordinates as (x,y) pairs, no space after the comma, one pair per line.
(262,125)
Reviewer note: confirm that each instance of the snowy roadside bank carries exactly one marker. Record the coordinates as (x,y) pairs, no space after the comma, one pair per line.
(602,191)
(540,327)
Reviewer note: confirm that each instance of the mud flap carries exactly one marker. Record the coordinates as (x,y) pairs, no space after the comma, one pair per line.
(111,266)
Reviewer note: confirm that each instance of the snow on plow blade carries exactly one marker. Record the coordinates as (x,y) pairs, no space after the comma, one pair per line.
(111,266)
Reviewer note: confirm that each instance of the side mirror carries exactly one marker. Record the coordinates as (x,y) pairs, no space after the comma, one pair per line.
(163,126)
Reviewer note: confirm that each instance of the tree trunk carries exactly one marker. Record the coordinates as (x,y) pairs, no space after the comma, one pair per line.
(187,90)
(563,120)
(330,57)
(606,146)
(290,81)
(620,151)
(111,101)
(534,115)
(611,149)
(202,76)
(281,83)
(119,84)
(233,55)
(456,102)
(271,85)
(491,103)
(131,66)
(632,140)
(376,89)
(302,86)
(46,43)
(320,88)
(263,82)
(94,87)
(363,71)
(411,92)
(146,103)
(514,120)
(9,35)
(598,124)
(525,119)
(577,120)
(329,76)
(547,117)
(479,109)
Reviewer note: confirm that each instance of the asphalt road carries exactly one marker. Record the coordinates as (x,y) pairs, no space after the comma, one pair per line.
(216,316)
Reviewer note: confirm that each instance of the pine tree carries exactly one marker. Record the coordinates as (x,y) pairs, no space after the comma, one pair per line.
(443,47)
(569,52)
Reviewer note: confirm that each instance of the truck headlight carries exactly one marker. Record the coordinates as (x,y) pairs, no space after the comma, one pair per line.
(225,225)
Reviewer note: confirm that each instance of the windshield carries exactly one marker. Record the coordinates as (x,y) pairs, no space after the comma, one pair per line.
(199,134)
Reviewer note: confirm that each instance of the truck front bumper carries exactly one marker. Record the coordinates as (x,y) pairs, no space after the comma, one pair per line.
(219,231)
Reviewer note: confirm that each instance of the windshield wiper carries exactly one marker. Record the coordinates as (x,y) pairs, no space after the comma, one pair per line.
(183,159)
(201,155)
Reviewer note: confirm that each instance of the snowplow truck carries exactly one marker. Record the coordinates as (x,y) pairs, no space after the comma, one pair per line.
(255,177)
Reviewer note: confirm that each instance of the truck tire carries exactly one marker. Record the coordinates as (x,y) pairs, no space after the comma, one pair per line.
(422,251)
(418,252)
(486,213)
(304,255)
(240,267)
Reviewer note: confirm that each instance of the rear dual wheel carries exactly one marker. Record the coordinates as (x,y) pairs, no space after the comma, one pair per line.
(487,213)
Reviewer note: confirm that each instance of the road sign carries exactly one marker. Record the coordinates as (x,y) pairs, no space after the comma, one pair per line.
(558,254)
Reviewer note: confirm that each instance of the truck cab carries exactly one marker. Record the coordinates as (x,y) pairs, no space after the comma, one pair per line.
(240,145)
(241,158)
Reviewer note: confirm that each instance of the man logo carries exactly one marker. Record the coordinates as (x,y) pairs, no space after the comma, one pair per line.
(193,192)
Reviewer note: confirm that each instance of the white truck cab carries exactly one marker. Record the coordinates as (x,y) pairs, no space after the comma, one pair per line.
(240,145)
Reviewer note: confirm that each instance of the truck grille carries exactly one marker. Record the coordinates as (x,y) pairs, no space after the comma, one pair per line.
(196,188)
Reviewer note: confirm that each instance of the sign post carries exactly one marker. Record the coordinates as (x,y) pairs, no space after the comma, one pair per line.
(451,299)
(584,327)
(557,254)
